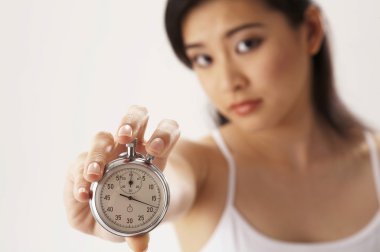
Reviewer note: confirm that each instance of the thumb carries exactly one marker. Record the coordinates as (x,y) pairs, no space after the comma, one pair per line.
(138,243)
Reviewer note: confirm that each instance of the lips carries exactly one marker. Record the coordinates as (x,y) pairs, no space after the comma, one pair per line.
(245,107)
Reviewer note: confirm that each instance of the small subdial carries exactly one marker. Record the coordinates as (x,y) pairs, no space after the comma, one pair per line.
(130,182)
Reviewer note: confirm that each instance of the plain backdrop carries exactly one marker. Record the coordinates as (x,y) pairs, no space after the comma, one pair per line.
(69,69)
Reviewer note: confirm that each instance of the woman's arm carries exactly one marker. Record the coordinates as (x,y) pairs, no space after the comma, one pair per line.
(185,171)
(183,168)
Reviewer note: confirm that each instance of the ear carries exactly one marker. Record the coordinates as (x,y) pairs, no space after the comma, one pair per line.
(315,29)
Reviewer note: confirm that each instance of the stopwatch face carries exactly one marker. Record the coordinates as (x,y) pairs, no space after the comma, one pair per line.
(131,198)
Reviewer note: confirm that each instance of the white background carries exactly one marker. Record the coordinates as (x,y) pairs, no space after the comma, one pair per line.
(71,68)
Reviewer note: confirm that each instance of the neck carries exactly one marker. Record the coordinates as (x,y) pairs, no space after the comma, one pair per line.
(298,143)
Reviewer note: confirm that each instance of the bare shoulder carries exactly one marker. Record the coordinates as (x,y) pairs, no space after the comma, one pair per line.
(377,137)
(194,150)
(195,153)
(205,146)
(189,147)
(377,140)
(363,149)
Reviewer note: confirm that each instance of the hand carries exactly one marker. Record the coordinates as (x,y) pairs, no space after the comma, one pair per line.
(89,167)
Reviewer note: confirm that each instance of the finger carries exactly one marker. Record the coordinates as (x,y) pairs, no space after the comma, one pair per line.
(133,125)
(162,141)
(138,243)
(81,187)
(98,156)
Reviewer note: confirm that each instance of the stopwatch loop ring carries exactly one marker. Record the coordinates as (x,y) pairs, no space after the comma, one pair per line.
(131,153)
(131,149)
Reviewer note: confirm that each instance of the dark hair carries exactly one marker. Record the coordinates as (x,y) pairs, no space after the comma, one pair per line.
(325,99)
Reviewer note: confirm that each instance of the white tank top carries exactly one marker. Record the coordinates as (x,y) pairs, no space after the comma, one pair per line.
(233,233)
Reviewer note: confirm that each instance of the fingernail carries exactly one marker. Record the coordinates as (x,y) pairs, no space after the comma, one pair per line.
(93,169)
(109,148)
(126,130)
(157,145)
(82,190)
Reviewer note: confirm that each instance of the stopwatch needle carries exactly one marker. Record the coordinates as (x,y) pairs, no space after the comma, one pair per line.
(131,198)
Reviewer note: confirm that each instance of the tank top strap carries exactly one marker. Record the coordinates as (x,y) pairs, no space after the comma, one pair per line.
(231,165)
(373,150)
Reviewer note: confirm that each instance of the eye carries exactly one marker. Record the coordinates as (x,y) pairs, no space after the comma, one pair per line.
(246,45)
(202,60)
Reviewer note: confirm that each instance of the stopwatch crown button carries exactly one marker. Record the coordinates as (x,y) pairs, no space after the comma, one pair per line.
(149,158)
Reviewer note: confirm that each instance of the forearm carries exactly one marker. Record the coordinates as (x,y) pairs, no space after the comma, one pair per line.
(182,182)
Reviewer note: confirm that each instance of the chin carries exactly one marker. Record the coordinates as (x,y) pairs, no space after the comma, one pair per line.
(255,122)
(250,124)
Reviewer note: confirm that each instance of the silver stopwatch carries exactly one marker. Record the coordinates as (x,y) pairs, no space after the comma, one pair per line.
(132,197)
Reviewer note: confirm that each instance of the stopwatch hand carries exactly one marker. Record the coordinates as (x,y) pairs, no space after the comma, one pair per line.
(131,198)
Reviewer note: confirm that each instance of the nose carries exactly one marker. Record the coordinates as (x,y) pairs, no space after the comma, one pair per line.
(232,78)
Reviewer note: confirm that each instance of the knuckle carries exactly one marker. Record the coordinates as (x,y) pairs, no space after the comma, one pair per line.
(170,122)
(77,163)
(103,135)
(102,140)
(79,181)
(97,157)
(169,125)
(174,122)
(135,113)
(82,156)
(78,170)
(138,108)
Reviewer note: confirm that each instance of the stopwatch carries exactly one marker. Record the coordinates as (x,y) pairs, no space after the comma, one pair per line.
(132,197)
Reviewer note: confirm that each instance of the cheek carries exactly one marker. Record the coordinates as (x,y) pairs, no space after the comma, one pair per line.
(209,88)
(281,74)
(206,85)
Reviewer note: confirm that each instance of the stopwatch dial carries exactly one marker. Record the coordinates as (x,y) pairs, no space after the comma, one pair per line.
(131,199)
(129,181)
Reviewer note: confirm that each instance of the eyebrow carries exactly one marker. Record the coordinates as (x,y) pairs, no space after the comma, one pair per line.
(228,34)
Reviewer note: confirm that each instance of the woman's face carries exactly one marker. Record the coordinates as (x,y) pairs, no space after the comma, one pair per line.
(243,51)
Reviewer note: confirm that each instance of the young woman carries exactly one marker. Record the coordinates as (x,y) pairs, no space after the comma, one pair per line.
(288,168)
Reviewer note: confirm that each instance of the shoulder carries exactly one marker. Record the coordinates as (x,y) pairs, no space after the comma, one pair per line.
(363,146)
(373,134)
(196,154)
(194,150)
(377,137)
(377,140)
